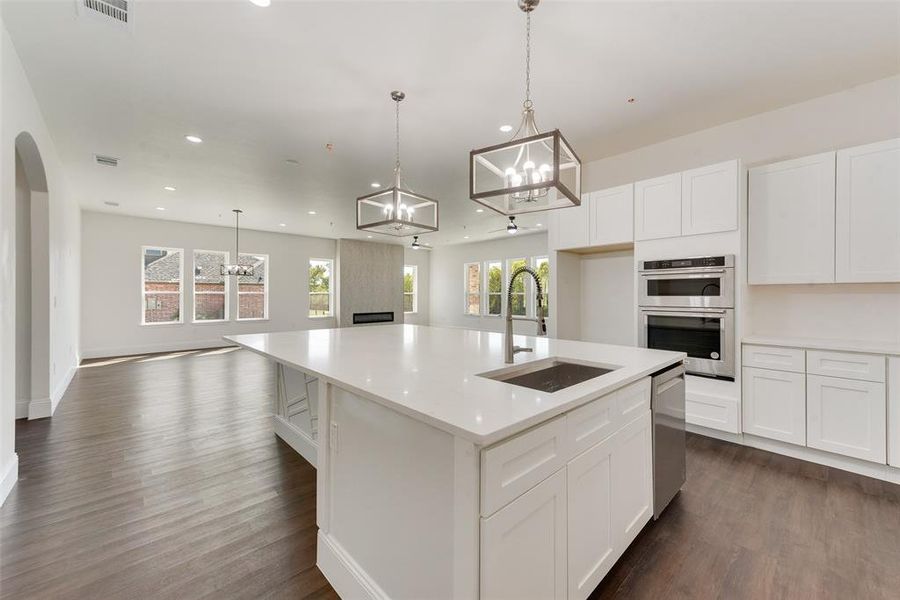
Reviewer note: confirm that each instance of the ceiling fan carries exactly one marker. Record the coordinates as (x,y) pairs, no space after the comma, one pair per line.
(512,229)
(417,245)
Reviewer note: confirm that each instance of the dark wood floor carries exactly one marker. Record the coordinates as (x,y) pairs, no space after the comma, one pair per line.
(159,477)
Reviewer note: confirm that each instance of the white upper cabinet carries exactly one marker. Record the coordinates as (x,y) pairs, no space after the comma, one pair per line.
(709,199)
(612,216)
(657,207)
(791,221)
(568,227)
(867,243)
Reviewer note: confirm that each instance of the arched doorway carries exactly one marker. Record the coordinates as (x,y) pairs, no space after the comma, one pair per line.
(32,282)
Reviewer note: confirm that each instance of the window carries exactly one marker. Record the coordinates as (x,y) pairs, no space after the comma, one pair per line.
(410,288)
(472,272)
(161,277)
(253,290)
(320,296)
(519,288)
(542,268)
(494,287)
(210,286)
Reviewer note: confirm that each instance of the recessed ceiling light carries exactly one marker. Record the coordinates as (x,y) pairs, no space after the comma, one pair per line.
(538,225)
(375,184)
(292,161)
(479,210)
(194,139)
(311,212)
(110,203)
(369,236)
(506,128)
(262,3)
(282,224)
(169,188)
(465,237)
(160,208)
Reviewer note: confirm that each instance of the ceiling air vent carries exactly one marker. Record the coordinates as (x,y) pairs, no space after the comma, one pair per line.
(108,161)
(118,10)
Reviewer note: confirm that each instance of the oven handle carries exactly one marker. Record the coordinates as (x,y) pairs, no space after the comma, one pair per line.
(682,272)
(705,311)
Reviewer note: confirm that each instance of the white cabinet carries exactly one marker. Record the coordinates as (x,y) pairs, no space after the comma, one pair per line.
(568,227)
(610,499)
(850,365)
(612,216)
(846,417)
(523,546)
(774,404)
(893,411)
(709,199)
(867,230)
(791,221)
(657,207)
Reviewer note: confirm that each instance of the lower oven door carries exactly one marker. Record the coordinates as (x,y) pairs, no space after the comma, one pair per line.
(705,335)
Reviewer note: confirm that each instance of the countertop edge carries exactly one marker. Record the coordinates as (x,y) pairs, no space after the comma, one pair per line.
(836,345)
(482,440)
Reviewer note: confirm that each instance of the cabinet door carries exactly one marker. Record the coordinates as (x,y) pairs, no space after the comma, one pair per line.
(612,216)
(774,404)
(657,207)
(894,411)
(523,546)
(592,548)
(632,480)
(867,229)
(846,417)
(570,226)
(791,221)
(709,199)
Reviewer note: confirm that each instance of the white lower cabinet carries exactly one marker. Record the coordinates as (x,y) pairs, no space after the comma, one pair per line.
(894,411)
(774,404)
(847,417)
(523,545)
(632,480)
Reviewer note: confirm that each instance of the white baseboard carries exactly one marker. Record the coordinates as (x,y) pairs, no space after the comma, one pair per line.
(296,439)
(10,476)
(41,408)
(343,573)
(113,351)
(845,463)
(22,409)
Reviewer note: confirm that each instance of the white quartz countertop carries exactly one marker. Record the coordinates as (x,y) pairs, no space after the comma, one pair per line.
(431,373)
(825,344)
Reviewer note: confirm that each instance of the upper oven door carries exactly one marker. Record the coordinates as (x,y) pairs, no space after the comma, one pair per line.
(689,288)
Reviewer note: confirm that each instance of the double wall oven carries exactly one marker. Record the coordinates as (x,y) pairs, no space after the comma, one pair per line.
(687,305)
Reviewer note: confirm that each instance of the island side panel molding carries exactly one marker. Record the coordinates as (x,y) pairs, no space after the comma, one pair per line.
(295,418)
(389,511)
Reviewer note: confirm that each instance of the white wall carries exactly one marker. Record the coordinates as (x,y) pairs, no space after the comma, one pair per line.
(859,115)
(447,289)
(23,291)
(19,112)
(607,298)
(111,283)
(422,260)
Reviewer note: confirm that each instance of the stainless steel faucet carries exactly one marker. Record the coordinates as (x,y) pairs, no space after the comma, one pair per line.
(512,350)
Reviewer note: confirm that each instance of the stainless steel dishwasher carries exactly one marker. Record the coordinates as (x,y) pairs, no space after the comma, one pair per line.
(667,406)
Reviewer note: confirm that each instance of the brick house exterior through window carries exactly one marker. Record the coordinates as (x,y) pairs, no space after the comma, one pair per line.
(253,290)
(161,285)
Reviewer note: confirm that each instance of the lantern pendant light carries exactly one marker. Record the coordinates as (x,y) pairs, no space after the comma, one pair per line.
(533,171)
(237,268)
(397,210)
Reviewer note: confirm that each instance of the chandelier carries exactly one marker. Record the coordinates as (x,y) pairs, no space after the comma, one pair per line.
(237,269)
(396,211)
(533,171)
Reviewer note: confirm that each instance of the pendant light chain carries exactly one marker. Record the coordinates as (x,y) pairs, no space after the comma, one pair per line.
(528,103)
(397,135)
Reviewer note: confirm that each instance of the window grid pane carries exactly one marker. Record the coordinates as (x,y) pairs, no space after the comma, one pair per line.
(519,306)
(320,304)
(542,267)
(253,289)
(494,288)
(410,288)
(473,289)
(162,281)
(210,286)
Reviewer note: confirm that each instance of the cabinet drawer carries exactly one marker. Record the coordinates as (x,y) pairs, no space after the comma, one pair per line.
(512,467)
(774,357)
(598,419)
(865,367)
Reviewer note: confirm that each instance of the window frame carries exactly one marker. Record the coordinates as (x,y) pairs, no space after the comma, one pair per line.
(534,265)
(526,286)
(414,293)
(180,291)
(487,288)
(309,293)
(194,292)
(265,294)
(466,292)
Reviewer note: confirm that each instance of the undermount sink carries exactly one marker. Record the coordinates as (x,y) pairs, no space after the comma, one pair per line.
(550,374)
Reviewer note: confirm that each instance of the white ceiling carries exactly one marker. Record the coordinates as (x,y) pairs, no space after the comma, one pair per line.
(262,85)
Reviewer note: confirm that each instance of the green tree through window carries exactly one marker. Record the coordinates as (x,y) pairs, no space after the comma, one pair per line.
(320,288)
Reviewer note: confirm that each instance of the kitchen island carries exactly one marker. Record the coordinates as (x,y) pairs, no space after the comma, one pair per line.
(435,481)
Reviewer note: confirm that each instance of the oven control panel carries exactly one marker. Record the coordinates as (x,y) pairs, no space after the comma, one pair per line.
(688,263)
